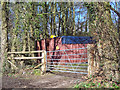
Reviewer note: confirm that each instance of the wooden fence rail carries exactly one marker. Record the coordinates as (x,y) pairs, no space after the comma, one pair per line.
(28,58)
(26,52)
(43,58)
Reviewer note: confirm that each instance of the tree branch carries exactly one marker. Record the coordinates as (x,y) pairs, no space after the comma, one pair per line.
(115,10)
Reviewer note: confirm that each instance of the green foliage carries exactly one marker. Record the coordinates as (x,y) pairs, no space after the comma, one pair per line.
(91,10)
(37,72)
(10,75)
(96,85)
(76,86)
(41,15)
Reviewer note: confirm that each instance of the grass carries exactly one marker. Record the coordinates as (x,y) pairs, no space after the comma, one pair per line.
(97,85)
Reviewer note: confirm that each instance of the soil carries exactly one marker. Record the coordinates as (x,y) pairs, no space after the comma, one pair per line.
(48,80)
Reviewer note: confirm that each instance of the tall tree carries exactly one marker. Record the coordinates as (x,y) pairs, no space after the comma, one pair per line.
(74,30)
(54,19)
(106,35)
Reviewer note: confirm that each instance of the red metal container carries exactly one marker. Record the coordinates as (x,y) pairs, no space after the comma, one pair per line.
(62,56)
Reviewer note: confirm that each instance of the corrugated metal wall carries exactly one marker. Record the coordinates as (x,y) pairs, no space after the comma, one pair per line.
(57,42)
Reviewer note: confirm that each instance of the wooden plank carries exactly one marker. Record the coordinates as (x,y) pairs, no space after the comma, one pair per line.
(25,52)
(28,57)
(38,65)
(35,66)
(12,64)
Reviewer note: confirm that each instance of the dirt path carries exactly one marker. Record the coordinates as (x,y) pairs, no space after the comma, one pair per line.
(56,80)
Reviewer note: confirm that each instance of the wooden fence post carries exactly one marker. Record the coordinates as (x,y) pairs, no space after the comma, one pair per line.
(90,59)
(93,64)
(13,61)
(43,67)
(88,54)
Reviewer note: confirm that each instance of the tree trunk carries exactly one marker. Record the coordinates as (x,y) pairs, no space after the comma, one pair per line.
(54,15)
(106,34)
(63,19)
(74,30)
(4,47)
(59,22)
(51,27)
(70,20)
